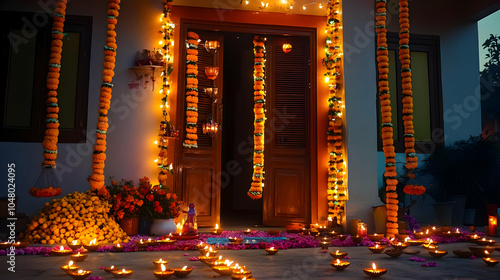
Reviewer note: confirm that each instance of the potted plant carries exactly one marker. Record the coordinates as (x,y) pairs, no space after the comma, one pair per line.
(127,201)
(467,167)
(161,206)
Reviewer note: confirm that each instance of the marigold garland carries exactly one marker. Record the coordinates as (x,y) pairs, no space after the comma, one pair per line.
(191,91)
(259,49)
(387,131)
(51,135)
(167,32)
(414,190)
(337,189)
(96,180)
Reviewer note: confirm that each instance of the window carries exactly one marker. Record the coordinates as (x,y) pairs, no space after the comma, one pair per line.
(24,60)
(426,85)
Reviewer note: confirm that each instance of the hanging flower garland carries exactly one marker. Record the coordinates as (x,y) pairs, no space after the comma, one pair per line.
(257,185)
(191,91)
(414,190)
(404,57)
(51,136)
(167,42)
(337,189)
(387,131)
(96,180)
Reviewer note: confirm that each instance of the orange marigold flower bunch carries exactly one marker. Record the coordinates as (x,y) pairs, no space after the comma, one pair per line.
(414,189)
(45,192)
(159,202)
(126,199)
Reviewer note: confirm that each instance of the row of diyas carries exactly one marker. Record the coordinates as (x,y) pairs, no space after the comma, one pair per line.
(225,267)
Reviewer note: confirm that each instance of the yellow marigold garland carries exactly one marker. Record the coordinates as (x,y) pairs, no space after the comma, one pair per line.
(51,135)
(337,189)
(191,91)
(404,57)
(256,187)
(96,180)
(387,131)
(167,32)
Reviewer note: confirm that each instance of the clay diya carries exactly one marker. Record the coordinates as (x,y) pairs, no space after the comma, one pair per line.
(324,245)
(340,265)
(341,237)
(377,249)
(163,273)
(338,255)
(481,251)
(124,273)
(473,238)
(400,245)
(108,269)
(80,274)
(415,242)
(182,272)
(462,253)
(61,251)
(438,253)
(223,270)
(118,248)
(357,239)
(92,246)
(69,267)
(238,274)
(78,257)
(375,237)
(484,242)
(375,272)
(75,245)
(160,262)
(141,244)
(272,251)
(207,258)
(166,241)
(490,262)
(235,240)
(393,253)
(22,245)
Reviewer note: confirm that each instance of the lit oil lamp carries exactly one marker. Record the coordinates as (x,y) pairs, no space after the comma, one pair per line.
(481,251)
(248,231)
(92,246)
(377,249)
(400,245)
(490,262)
(5,245)
(238,274)
(61,251)
(272,251)
(342,237)
(80,274)
(158,263)
(167,241)
(235,240)
(108,269)
(215,262)
(75,245)
(21,245)
(375,237)
(163,273)
(340,265)
(338,255)
(206,258)
(141,244)
(473,238)
(324,244)
(182,272)
(124,273)
(415,242)
(151,242)
(78,257)
(118,248)
(223,270)
(421,234)
(217,230)
(69,267)
(485,241)
(437,253)
(375,272)
(211,252)
(333,234)
(204,250)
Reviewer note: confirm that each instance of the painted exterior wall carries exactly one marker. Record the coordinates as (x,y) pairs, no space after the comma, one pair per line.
(134,114)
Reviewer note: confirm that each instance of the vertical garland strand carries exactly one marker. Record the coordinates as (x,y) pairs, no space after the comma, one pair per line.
(404,57)
(96,180)
(387,131)
(167,43)
(257,184)
(337,189)
(191,90)
(51,135)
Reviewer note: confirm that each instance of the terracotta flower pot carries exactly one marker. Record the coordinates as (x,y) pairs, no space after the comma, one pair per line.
(130,225)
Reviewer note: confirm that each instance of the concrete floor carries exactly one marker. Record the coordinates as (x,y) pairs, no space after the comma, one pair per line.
(297,264)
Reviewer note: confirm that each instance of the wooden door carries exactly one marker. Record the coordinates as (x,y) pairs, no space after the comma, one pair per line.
(198,175)
(287,191)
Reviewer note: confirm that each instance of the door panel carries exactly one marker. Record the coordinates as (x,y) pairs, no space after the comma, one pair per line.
(287,192)
(199,169)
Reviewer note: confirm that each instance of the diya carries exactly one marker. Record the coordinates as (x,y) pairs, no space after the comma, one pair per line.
(110,268)
(75,245)
(166,241)
(240,274)
(272,251)
(61,251)
(375,272)
(340,265)
(338,255)
(393,253)
(22,245)
(437,253)
(124,273)
(377,249)
(78,257)
(400,245)
(375,237)
(80,274)
(462,253)
(182,272)
(163,273)
(159,263)
(92,246)
(118,248)
(69,267)
(490,262)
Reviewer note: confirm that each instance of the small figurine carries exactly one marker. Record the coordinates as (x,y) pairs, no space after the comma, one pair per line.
(190,226)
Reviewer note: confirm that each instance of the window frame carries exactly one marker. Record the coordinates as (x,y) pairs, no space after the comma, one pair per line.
(35,133)
(423,43)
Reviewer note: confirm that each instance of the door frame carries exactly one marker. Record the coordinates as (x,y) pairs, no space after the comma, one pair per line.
(310,33)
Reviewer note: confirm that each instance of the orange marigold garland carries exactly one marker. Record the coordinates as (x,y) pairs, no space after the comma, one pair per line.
(167,32)
(257,185)
(191,90)
(414,190)
(387,131)
(96,180)
(51,136)
(404,57)
(337,190)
